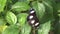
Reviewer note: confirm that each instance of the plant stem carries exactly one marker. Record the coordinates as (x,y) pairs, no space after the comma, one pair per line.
(33,30)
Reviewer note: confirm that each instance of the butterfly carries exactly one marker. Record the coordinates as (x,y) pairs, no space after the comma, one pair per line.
(32,18)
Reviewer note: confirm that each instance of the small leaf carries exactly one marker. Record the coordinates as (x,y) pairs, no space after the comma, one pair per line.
(2,5)
(11,18)
(26,29)
(22,18)
(20,6)
(2,28)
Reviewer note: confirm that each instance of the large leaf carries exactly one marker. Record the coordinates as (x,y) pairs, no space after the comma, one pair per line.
(45,28)
(39,8)
(22,18)
(44,10)
(2,5)
(20,6)
(49,11)
(11,17)
(14,29)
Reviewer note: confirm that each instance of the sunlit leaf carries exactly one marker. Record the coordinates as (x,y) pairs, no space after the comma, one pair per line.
(22,18)
(2,28)
(20,6)
(2,5)
(11,17)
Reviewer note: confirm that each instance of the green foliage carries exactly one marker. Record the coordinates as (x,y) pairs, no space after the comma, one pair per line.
(13,16)
(40,9)
(2,5)
(22,18)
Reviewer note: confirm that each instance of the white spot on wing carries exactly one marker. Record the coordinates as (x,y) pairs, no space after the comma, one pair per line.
(32,22)
(32,11)
(36,24)
(30,17)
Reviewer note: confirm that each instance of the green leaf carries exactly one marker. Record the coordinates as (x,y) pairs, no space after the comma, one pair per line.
(14,29)
(44,10)
(22,18)
(39,8)
(11,18)
(2,21)
(48,11)
(20,6)
(2,28)
(59,15)
(45,28)
(58,6)
(2,5)
(27,1)
(26,29)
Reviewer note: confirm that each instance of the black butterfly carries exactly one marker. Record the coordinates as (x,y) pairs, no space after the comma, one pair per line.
(32,19)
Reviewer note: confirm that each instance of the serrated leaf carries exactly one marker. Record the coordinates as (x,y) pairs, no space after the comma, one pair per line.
(45,28)
(11,18)
(22,18)
(14,29)
(2,5)
(20,6)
